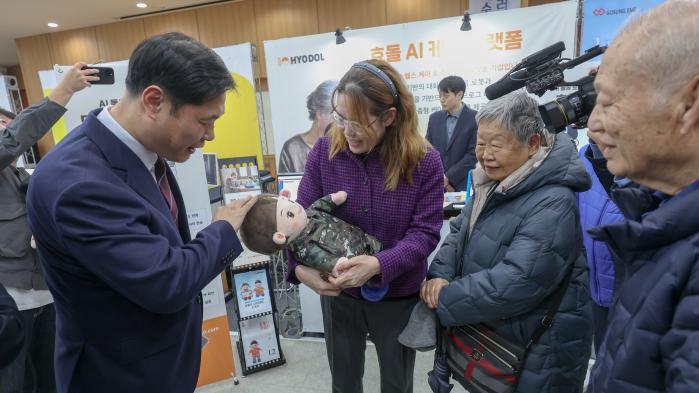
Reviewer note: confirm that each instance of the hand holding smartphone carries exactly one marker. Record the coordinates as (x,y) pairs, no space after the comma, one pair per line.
(106,75)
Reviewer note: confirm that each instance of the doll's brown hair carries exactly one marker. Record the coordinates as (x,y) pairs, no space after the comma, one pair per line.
(260,224)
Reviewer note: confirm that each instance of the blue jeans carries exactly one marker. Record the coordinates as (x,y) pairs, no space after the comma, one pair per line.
(32,371)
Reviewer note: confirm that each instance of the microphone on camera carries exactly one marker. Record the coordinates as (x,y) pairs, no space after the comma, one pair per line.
(507,84)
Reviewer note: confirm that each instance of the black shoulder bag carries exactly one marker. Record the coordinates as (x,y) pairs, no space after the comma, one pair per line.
(484,362)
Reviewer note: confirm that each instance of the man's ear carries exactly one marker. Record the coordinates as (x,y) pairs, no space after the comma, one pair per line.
(279,238)
(153,98)
(460,95)
(690,119)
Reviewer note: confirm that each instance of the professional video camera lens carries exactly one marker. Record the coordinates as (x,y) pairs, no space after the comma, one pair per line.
(562,111)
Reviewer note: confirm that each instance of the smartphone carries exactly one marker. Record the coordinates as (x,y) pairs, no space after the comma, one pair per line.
(106,75)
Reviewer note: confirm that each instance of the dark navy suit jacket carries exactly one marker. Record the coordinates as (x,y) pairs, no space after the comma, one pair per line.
(124,277)
(458,153)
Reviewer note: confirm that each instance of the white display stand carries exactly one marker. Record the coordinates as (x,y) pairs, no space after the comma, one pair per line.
(311,313)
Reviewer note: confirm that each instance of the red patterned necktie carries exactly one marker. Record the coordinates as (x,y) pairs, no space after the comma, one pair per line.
(164,185)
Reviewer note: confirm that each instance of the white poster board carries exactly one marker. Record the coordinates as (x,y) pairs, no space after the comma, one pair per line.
(423,52)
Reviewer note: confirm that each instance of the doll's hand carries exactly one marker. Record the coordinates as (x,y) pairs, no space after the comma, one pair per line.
(339,197)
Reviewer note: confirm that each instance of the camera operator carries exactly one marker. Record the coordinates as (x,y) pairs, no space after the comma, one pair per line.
(20,271)
(646,124)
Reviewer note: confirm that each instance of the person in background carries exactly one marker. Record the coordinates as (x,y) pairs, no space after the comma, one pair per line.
(292,158)
(513,245)
(393,180)
(11,329)
(452,131)
(112,233)
(646,124)
(597,208)
(20,271)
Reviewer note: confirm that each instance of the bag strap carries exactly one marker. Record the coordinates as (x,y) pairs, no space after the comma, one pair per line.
(556,299)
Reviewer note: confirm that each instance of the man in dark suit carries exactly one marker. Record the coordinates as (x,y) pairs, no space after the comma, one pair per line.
(112,232)
(452,131)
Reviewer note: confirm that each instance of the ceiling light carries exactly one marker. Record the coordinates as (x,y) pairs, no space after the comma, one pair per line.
(141,5)
(52,24)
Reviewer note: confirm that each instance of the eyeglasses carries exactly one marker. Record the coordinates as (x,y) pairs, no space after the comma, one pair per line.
(352,125)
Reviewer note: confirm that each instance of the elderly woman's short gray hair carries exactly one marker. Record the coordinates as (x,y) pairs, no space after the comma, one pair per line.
(517,112)
(319,99)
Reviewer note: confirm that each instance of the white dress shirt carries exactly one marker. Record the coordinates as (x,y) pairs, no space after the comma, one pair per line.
(147,157)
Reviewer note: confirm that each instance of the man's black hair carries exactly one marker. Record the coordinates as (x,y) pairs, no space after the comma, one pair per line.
(187,70)
(452,84)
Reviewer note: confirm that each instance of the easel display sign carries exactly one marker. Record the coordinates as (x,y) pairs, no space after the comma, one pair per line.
(253,293)
(258,343)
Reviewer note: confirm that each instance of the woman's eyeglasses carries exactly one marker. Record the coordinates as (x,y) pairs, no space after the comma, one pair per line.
(351,125)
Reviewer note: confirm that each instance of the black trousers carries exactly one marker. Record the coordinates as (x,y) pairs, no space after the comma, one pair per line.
(347,322)
(32,370)
(599,324)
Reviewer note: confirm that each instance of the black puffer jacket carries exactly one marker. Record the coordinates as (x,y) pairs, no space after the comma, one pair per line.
(516,257)
(652,341)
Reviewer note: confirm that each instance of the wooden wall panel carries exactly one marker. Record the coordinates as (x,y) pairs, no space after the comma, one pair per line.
(357,14)
(67,47)
(116,41)
(184,22)
(33,53)
(464,6)
(227,24)
(283,18)
(401,11)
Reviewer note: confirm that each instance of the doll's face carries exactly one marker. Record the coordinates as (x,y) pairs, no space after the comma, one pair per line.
(291,218)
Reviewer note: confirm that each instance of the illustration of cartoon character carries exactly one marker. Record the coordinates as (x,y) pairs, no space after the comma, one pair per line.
(255,352)
(259,289)
(245,292)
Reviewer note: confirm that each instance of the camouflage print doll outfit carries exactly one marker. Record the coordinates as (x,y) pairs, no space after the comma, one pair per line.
(326,238)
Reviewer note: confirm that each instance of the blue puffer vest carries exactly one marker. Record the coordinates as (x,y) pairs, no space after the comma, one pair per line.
(597,209)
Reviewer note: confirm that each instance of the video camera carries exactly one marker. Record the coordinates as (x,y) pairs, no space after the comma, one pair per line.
(543,71)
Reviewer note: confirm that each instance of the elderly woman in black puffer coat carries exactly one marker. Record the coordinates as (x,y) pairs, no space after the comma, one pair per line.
(511,247)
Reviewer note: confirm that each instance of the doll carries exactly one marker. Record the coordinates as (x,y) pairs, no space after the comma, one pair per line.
(314,236)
